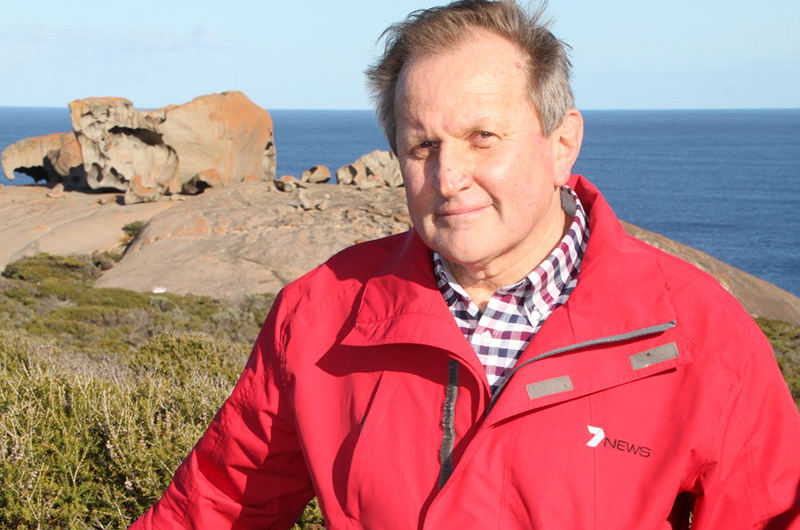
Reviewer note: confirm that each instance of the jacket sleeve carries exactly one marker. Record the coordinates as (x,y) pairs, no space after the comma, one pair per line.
(754,478)
(247,471)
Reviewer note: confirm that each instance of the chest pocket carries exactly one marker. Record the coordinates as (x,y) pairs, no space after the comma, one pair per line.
(599,428)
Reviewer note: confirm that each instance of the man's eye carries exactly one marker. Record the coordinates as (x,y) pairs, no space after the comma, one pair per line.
(484,138)
(423,149)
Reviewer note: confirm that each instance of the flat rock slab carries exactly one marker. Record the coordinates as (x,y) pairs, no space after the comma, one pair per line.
(249,238)
(70,223)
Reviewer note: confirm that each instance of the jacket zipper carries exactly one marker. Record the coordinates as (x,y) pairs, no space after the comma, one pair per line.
(448,409)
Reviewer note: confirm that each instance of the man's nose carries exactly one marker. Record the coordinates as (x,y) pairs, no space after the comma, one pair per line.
(453,171)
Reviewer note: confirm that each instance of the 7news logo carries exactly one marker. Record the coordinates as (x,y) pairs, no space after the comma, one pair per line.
(599,436)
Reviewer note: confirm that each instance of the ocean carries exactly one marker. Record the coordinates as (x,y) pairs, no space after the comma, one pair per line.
(726,182)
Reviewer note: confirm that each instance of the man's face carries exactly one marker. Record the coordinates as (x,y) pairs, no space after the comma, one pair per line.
(480,178)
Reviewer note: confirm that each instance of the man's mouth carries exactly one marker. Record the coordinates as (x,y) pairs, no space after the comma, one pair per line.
(465,210)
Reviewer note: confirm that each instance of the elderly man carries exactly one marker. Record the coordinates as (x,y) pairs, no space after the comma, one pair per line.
(515,360)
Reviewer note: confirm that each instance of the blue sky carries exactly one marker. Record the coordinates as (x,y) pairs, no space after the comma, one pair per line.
(311,54)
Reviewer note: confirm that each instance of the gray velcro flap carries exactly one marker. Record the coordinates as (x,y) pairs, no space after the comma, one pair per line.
(653,356)
(549,387)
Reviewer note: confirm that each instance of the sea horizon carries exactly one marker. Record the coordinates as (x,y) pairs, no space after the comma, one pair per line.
(66,105)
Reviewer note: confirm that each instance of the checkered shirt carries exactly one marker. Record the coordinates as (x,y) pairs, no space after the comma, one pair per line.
(514,313)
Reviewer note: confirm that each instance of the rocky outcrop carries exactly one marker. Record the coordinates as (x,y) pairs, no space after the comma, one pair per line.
(247,239)
(347,174)
(383,165)
(36,219)
(53,158)
(287,183)
(373,170)
(212,141)
(316,175)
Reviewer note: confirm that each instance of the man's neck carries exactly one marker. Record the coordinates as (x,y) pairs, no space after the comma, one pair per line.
(481,282)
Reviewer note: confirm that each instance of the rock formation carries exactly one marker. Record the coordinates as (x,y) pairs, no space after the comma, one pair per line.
(287,183)
(316,175)
(36,219)
(211,141)
(246,238)
(53,158)
(373,170)
(348,173)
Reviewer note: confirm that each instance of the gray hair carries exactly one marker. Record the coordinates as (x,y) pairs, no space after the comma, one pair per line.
(428,31)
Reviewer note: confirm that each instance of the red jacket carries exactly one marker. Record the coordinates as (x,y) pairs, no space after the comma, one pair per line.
(652,393)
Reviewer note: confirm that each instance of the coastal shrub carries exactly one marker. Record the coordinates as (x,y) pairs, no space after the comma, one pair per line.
(88,442)
(785,340)
(103,392)
(132,230)
(43,266)
(106,259)
(53,297)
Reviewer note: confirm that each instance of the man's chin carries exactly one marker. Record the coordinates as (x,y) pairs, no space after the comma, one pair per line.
(461,255)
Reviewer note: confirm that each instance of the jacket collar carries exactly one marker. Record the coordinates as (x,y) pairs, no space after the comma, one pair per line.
(401,304)
(619,278)
(621,286)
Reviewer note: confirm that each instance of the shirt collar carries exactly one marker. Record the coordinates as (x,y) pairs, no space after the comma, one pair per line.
(543,286)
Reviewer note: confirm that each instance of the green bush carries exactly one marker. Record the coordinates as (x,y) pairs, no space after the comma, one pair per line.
(52,267)
(96,442)
(132,230)
(53,297)
(105,391)
(785,340)
(86,442)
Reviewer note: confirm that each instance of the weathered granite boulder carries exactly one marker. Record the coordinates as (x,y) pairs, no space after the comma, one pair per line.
(53,158)
(211,141)
(384,165)
(287,183)
(368,181)
(316,174)
(348,173)
(372,170)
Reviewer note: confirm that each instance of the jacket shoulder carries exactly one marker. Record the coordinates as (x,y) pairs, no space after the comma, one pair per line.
(724,337)
(348,269)
(695,292)
(328,296)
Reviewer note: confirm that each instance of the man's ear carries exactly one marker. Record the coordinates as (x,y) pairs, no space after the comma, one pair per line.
(567,140)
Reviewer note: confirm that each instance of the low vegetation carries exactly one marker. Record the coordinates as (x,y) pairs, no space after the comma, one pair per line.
(785,340)
(104,391)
